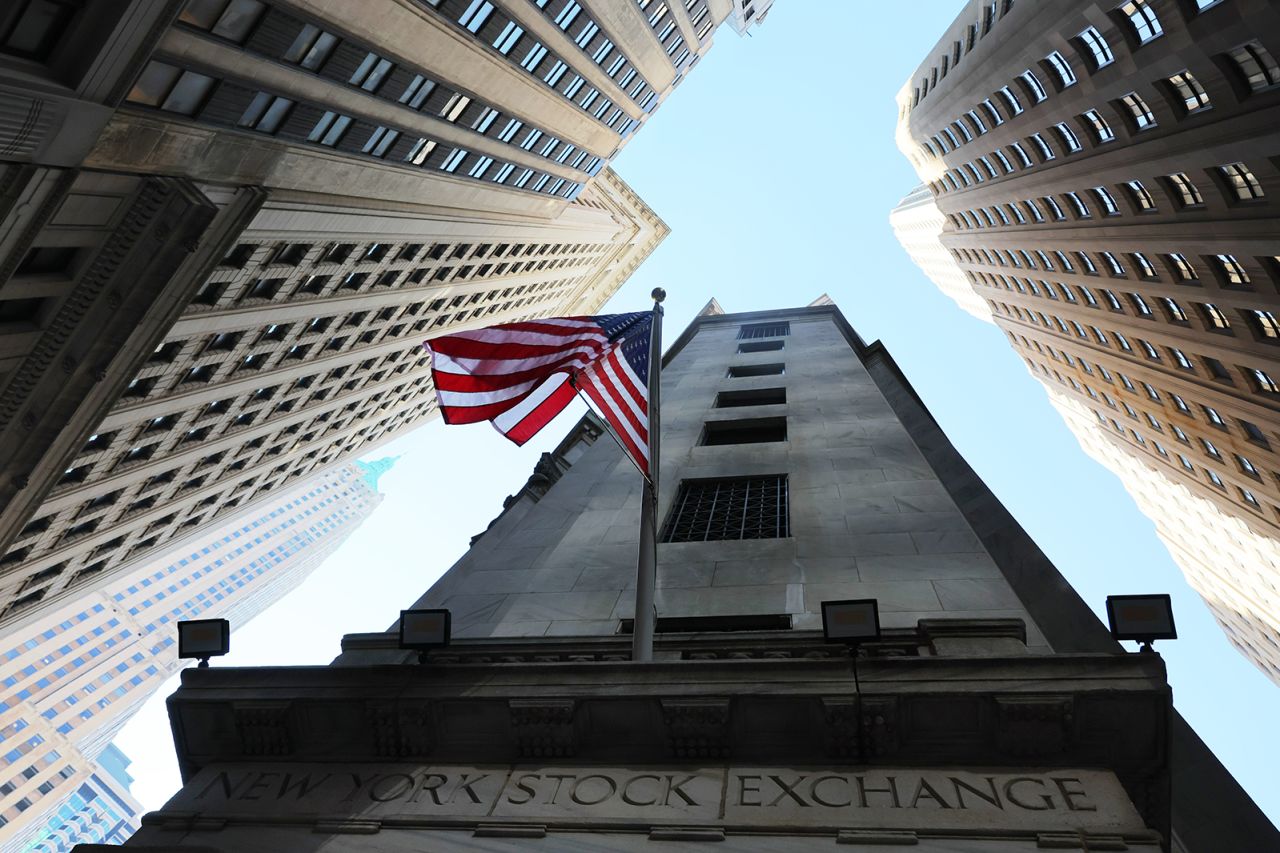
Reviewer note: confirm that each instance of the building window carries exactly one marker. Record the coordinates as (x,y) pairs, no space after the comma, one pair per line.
(1141,197)
(371,72)
(1193,95)
(171,89)
(1097,47)
(727,509)
(1082,210)
(1015,106)
(1060,66)
(763,330)
(1214,318)
(1069,140)
(754,397)
(1185,190)
(1143,118)
(1046,153)
(311,47)
(753,431)
(1183,267)
(741,371)
(1266,324)
(1034,86)
(1146,26)
(1241,181)
(1263,381)
(1233,274)
(1256,65)
(1102,131)
(229,19)
(329,129)
(1108,203)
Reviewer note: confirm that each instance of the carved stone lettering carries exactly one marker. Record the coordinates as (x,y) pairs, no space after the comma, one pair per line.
(826,797)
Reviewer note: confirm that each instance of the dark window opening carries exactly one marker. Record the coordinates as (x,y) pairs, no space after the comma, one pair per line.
(739,371)
(755,397)
(761,346)
(752,431)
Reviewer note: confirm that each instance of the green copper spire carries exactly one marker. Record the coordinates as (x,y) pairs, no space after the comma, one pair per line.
(374,470)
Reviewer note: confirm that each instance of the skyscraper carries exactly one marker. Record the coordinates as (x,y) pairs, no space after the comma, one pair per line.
(228,224)
(799,469)
(74,674)
(100,811)
(1107,183)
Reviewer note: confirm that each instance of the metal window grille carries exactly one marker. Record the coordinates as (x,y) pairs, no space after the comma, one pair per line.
(737,508)
(763,330)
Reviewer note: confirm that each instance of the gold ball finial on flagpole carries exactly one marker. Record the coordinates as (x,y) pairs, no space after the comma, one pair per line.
(658,294)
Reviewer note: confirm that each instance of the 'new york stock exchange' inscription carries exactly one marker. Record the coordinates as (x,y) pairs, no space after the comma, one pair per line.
(733,796)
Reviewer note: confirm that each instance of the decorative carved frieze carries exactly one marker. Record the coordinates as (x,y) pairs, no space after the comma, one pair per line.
(543,728)
(697,727)
(401,729)
(263,728)
(1029,726)
(879,724)
(840,713)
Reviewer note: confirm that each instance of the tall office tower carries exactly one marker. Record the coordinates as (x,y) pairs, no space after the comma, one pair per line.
(1107,178)
(993,713)
(101,811)
(74,674)
(1232,566)
(227,225)
(918,225)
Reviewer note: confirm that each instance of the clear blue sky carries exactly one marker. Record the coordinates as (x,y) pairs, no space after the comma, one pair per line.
(774,165)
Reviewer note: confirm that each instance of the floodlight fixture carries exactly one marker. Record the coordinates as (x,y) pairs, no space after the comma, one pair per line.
(423,630)
(202,639)
(1144,618)
(851,621)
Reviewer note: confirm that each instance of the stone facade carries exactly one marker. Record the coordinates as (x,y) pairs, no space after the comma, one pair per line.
(993,714)
(227,225)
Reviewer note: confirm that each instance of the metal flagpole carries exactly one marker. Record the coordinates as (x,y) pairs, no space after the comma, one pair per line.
(646,615)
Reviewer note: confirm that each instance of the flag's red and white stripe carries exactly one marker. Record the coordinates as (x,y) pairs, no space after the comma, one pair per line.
(521,375)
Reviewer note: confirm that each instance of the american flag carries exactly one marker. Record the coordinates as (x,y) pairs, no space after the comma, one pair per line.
(519,376)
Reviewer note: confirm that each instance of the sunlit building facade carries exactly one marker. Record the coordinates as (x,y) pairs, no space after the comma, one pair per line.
(1108,180)
(73,675)
(227,225)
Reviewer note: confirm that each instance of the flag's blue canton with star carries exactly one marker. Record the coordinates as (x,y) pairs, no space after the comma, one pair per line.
(636,328)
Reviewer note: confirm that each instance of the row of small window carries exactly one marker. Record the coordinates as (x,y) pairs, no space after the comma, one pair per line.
(1251,431)
(492,27)
(1141,24)
(1260,381)
(169,88)
(663,24)
(991,10)
(1256,66)
(1228,269)
(1185,464)
(294,254)
(80,473)
(578,25)
(312,49)
(1265,324)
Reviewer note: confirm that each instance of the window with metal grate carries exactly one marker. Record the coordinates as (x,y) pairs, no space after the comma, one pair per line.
(732,508)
